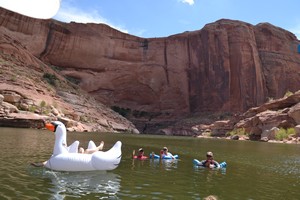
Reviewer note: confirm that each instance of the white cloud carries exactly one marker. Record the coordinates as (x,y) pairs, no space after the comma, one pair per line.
(68,13)
(298,34)
(296,31)
(190,2)
(139,32)
(43,9)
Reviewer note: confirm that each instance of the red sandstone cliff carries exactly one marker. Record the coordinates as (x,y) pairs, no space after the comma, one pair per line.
(226,66)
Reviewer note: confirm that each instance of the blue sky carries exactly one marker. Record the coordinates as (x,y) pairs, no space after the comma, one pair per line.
(160,18)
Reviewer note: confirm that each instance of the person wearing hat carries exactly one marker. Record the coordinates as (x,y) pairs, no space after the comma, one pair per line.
(210,162)
(165,152)
(140,154)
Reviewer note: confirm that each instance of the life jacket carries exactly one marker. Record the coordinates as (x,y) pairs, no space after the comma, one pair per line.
(139,156)
(212,162)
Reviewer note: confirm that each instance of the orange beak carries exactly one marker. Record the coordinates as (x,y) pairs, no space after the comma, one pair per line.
(50,127)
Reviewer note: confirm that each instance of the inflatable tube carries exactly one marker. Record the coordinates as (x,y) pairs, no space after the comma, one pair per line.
(170,157)
(200,164)
(140,158)
(155,156)
(63,160)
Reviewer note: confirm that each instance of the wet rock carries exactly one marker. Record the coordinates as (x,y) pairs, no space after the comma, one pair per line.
(294,112)
(235,137)
(12,97)
(54,111)
(9,107)
(1,98)
(135,131)
(297,131)
(264,139)
(23,120)
(270,134)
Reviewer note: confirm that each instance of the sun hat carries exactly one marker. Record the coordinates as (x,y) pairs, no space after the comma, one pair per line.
(209,154)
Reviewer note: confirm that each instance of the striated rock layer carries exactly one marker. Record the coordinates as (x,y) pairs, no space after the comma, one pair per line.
(226,66)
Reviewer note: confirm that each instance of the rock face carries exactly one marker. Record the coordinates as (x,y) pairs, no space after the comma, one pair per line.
(226,66)
(32,93)
(259,123)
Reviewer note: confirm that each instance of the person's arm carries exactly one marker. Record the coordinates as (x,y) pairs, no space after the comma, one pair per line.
(161,153)
(170,154)
(217,164)
(203,162)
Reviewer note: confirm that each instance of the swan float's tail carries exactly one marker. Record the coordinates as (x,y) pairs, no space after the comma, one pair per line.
(108,160)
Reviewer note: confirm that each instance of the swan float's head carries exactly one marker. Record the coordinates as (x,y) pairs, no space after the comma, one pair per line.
(60,136)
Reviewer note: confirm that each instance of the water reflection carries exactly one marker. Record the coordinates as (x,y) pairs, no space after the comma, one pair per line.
(212,170)
(76,184)
(252,166)
(167,164)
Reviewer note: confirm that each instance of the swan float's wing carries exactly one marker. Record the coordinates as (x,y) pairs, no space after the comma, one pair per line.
(92,145)
(73,148)
(108,160)
(42,9)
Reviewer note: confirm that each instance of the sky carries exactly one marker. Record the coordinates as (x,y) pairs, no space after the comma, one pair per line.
(162,18)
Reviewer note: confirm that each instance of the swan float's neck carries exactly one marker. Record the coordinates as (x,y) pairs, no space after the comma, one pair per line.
(60,140)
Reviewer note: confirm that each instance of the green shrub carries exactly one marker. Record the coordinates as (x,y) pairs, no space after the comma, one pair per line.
(50,78)
(14,78)
(291,131)
(284,133)
(288,93)
(43,104)
(139,114)
(74,80)
(84,118)
(270,99)
(122,111)
(32,108)
(43,107)
(238,131)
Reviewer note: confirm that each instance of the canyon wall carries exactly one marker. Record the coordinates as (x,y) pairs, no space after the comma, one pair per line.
(226,66)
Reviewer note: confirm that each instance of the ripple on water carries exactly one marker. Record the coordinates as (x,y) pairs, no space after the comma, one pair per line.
(76,184)
(255,171)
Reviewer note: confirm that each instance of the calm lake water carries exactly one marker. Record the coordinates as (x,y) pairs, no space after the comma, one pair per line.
(254,170)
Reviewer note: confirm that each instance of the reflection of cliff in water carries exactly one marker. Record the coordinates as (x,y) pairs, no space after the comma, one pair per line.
(75,184)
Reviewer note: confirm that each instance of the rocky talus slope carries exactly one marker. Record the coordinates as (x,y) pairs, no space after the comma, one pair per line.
(32,93)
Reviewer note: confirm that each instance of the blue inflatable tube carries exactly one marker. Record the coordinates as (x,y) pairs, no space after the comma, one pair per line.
(199,164)
(155,156)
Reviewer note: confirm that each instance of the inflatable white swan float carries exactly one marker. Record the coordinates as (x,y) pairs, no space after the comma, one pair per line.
(67,159)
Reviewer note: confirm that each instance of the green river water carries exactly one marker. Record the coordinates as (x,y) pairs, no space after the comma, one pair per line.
(254,170)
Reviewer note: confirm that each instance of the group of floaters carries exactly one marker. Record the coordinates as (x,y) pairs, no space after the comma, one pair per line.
(165,154)
(73,158)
